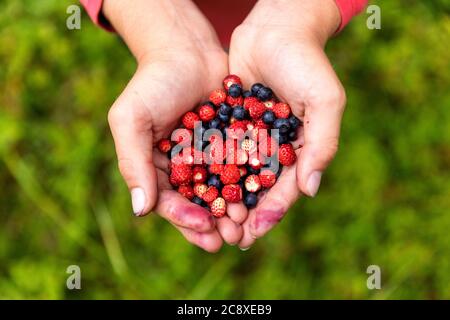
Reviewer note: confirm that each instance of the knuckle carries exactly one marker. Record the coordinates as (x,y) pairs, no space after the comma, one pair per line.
(116,115)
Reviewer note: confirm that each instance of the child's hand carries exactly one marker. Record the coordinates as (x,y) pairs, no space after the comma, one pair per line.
(281,45)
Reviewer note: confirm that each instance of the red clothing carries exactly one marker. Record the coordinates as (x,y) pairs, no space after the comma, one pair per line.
(224,14)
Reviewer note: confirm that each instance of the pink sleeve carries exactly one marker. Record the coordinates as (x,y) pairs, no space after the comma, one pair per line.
(348,9)
(94,10)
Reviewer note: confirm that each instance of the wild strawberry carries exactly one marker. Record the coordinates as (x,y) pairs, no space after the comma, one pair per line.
(270,103)
(200,189)
(206,112)
(199,174)
(182,137)
(248,145)
(218,207)
(252,183)
(235,101)
(230,80)
(256,110)
(230,174)
(218,96)
(189,119)
(286,154)
(282,110)
(181,174)
(164,145)
(216,168)
(259,124)
(232,193)
(249,102)
(186,191)
(211,194)
(237,156)
(267,178)
(254,161)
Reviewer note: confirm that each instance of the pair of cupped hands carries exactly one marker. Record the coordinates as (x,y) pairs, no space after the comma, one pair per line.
(180,61)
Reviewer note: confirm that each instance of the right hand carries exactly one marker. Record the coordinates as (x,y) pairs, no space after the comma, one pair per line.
(180,60)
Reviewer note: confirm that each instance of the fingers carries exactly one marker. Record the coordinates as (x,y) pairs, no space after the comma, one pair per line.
(131,127)
(211,241)
(273,206)
(237,212)
(230,231)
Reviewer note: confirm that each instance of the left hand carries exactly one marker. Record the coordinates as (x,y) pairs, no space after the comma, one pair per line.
(280,44)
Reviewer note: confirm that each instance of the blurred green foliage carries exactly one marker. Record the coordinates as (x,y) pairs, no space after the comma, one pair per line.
(385,199)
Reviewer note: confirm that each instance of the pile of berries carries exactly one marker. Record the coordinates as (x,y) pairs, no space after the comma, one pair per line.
(232,146)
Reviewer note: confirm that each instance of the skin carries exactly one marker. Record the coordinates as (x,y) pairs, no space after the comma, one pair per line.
(180,60)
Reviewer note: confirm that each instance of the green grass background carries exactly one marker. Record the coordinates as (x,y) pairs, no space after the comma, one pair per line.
(385,199)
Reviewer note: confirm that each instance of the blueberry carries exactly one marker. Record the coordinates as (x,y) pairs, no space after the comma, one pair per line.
(281,138)
(247,94)
(292,135)
(214,123)
(255,88)
(264,94)
(215,181)
(282,125)
(250,200)
(197,200)
(234,90)
(239,113)
(252,170)
(268,117)
(225,108)
(294,122)
(224,117)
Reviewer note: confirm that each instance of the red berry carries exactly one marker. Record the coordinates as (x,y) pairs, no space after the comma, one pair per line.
(259,124)
(286,154)
(235,101)
(237,156)
(230,174)
(282,110)
(254,161)
(248,145)
(206,112)
(243,170)
(164,145)
(199,174)
(216,168)
(252,183)
(256,110)
(182,137)
(232,193)
(267,178)
(189,119)
(211,194)
(186,191)
(218,207)
(230,80)
(249,102)
(218,96)
(181,174)
(200,189)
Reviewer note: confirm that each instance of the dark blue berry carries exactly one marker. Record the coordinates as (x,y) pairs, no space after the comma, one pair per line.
(264,94)
(225,108)
(252,170)
(214,180)
(224,118)
(250,200)
(282,125)
(281,138)
(214,123)
(239,113)
(294,122)
(247,94)
(197,200)
(234,90)
(268,117)
(255,88)
(292,135)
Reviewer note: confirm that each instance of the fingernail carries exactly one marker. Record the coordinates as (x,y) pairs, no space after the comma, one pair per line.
(312,186)
(244,249)
(137,201)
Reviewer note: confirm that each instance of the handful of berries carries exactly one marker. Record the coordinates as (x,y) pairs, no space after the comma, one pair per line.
(232,146)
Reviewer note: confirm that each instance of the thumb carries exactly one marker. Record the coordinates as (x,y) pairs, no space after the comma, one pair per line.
(321,129)
(131,126)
